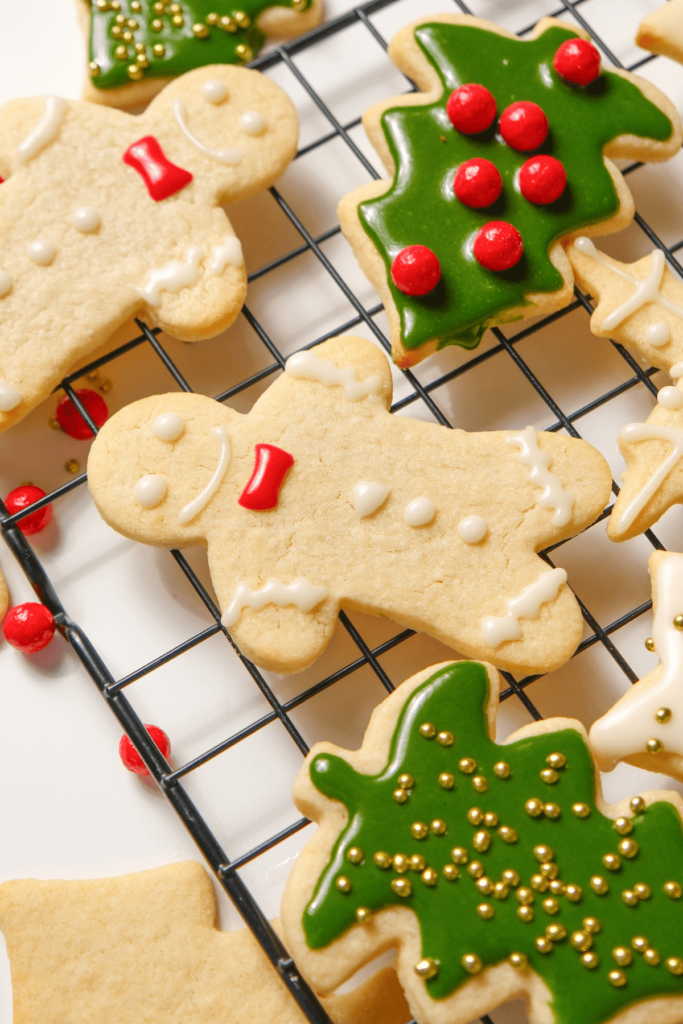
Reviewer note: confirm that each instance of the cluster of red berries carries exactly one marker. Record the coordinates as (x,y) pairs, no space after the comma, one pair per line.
(542,179)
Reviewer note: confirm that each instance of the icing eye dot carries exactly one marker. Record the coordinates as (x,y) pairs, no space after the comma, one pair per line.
(657,335)
(5,283)
(472,529)
(150,490)
(670,397)
(85,219)
(214,91)
(168,426)
(41,252)
(419,512)
(252,123)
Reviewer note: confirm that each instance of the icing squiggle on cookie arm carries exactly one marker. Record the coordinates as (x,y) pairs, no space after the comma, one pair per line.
(45,131)
(232,157)
(309,366)
(554,494)
(300,593)
(189,511)
(496,629)
(649,432)
(171,277)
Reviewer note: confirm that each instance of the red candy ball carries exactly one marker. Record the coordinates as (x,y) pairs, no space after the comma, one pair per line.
(498,245)
(471,109)
(70,419)
(477,183)
(130,757)
(20,498)
(416,270)
(542,179)
(578,61)
(29,627)
(524,126)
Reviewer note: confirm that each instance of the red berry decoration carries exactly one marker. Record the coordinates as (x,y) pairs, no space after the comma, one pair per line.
(471,109)
(498,245)
(70,419)
(29,627)
(477,183)
(130,757)
(524,126)
(20,498)
(542,179)
(578,61)
(416,270)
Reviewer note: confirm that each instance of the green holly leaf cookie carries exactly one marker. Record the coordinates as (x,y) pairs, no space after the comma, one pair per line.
(498,863)
(498,160)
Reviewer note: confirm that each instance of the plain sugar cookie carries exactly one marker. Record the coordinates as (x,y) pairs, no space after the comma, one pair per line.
(662,31)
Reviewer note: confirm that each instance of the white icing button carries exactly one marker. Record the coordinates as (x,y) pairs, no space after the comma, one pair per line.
(214,90)
(41,252)
(252,123)
(670,397)
(5,283)
(419,512)
(168,426)
(9,397)
(472,529)
(85,219)
(676,370)
(150,490)
(657,335)
(368,496)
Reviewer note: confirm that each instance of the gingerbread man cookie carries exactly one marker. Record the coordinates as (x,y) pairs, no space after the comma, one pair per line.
(135,47)
(502,156)
(498,871)
(662,31)
(144,947)
(319,499)
(104,216)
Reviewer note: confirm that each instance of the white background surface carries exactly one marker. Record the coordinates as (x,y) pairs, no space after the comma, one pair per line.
(67,807)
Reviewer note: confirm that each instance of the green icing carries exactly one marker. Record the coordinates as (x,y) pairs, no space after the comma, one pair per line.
(183,50)
(455,699)
(421,208)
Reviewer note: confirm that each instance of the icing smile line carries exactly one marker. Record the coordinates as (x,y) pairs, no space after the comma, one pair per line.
(225,156)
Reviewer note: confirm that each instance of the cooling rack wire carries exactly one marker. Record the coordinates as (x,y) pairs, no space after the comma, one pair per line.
(423,394)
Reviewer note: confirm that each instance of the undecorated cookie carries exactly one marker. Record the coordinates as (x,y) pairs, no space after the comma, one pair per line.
(662,31)
(144,948)
(105,216)
(502,155)
(320,499)
(135,47)
(498,871)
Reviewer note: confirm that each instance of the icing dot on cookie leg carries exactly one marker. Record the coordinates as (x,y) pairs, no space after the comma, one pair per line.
(670,397)
(41,252)
(5,284)
(85,219)
(419,512)
(9,397)
(168,426)
(150,490)
(252,123)
(657,335)
(214,91)
(472,529)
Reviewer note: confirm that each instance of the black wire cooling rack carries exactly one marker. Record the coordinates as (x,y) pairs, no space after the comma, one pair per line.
(112,690)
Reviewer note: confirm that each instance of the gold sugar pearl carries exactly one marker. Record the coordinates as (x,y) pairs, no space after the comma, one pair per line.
(418,863)
(228,24)
(363,914)
(142,61)
(475,869)
(406,781)
(507,834)
(524,895)
(490,819)
(106,385)
(519,961)
(556,932)
(653,746)
(550,870)
(459,855)
(551,811)
(539,883)
(500,891)
(551,905)
(624,826)
(200,30)
(581,810)
(438,827)
(543,853)
(446,780)
(427,968)
(212,19)
(663,715)
(617,978)
(382,860)
(121,53)
(628,848)
(402,887)
(135,72)
(176,9)
(485,911)
(467,765)
(242,19)
(401,863)
(472,963)
(573,893)
(445,738)
(354,854)
(94,69)
(674,965)
(525,914)
(480,783)
(481,841)
(400,796)
(556,760)
(673,890)
(244,52)
(556,887)
(429,876)
(159,50)
(590,960)
(549,776)
(419,830)
(612,861)
(640,943)
(127,36)
(642,891)
(157,25)
(678,622)
(534,807)
(484,885)
(650,644)
(450,872)
(177,20)
(599,885)
(652,957)
(136,7)
(427,730)
(159,8)
(502,770)
(629,897)
(133,25)
(622,955)
(475,816)
(116,32)
(343,884)
(592,925)
(140,48)
(543,945)
(510,877)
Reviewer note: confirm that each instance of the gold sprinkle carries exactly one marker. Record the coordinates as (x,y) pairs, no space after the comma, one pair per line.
(419,830)
(490,819)
(459,855)
(467,765)
(427,730)
(363,914)
(445,738)
(581,941)
(72,466)
(401,863)
(475,816)
(500,891)
(653,746)
(519,961)
(481,841)
(475,869)
(402,887)
(446,780)
(524,895)
(551,811)
(650,644)
(612,861)
(485,911)
(142,60)
(678,622)
(418,863)
(599,885)
(534,807)
(406,781)
(429,876)
(581,810)
(200,30)
(400,796)
(543,853)
(502,770)
(244,52)
(573,893)
(133,25)
(127,36)
(135,72)
(427,968)
(628,848)
(549,776)
(592,925)
(556,887)
(54,423)
(450,872)
(382,860)
(480,783)
(510,877)
(94,69)
(121,53)
(438,827)
(140,48)
(550,870)
(242,19)
(543,945)
(556,760)
(622,955)
(642,891)
(673,890)
(177,20)
(212,19)
(156,26)
(159,50)
(484,885)
(343,884)
(228,24)
(617,978)
(525,914)
(623,826)
(354,854)
(640,943)
(630,898)
(507,834)
(663,715)
(556,932)
(674,965)
(590,960)
(539,883)
(176,9)
(472,963)
(652,957)
(551,905)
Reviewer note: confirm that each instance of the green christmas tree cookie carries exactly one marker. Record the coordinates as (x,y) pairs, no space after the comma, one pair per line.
(136,46)
(497,870)
(498,160)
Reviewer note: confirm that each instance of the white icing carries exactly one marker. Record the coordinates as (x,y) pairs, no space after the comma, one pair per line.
(676,370)
(229,253)
(419,512)
(554,494)
(670,397)
(41,252)
(171,277)
(189,511)
(5,283)
(309,366)
(225,156)
(626,728)
(649,432)
(45,131)
(472,529)
(368,496)
(646,291)
(85,219)
(300,593)
(9,397)
(657,335)
(150,490)
(168,426)
(214,91)
(496,629)
(252,123)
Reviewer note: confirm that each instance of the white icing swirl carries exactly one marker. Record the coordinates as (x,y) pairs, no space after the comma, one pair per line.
(495,629)
(309,366)
(45,131)
(300,593)
(171,277)
(554,494)
(224,156)
(228,253)
(649,432)
(189,511)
